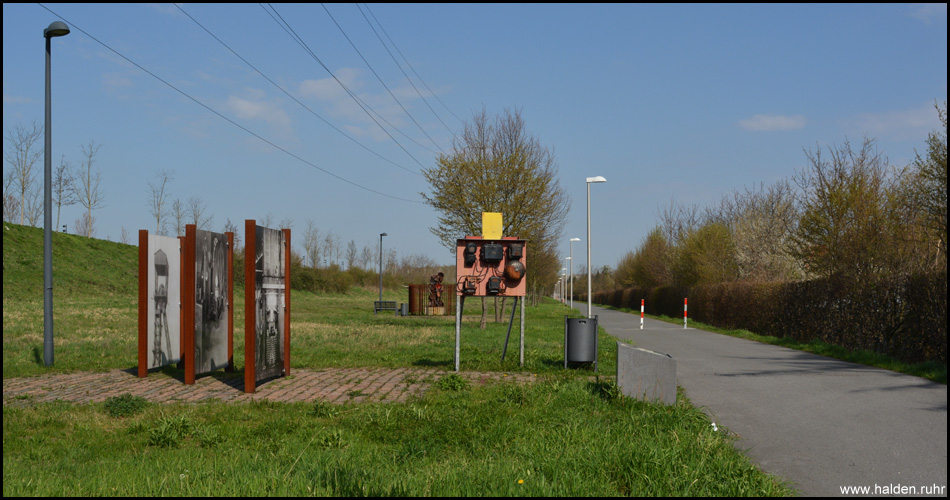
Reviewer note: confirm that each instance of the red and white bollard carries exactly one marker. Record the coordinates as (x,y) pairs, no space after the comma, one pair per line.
(684,313)
(641,314)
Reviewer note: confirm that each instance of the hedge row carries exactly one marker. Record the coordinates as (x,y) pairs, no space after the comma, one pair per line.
(905,318)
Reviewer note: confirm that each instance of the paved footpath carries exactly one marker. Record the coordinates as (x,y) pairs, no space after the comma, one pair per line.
(336,385)
(821,423)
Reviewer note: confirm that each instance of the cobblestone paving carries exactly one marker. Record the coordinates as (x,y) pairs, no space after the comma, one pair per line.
(337,385)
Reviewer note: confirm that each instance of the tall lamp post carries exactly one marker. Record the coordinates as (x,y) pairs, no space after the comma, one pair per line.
(589,301)
(572,270)
(56,28)
(381,265)
(564,285)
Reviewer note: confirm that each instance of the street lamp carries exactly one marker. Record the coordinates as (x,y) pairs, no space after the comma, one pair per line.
(568,259)
(564,284)
(590,180)
(56,28)
(572,270)
(381,265)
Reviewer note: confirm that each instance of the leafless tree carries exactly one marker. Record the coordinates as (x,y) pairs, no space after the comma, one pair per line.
(64,192)
(197,213)
(85,225)
(11,206)
(179,215)
(366,257)
(25,150)
(311,243)
(87,185)
(158,199)
(229,227)
(351,254)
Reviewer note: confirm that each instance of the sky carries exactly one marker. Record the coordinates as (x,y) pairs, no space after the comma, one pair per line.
(246,103)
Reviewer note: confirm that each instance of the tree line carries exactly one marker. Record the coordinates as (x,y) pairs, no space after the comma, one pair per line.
(849,213)
(23,183)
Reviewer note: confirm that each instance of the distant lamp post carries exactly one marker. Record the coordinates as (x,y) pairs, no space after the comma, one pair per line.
(568,259)
(572,270)
(564,285)
(56,28)
(381,265)
(589,301)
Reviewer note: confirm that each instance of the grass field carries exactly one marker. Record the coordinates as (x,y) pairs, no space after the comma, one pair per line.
(569,433)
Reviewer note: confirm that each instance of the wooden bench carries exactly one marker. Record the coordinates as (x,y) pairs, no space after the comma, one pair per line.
(384,305)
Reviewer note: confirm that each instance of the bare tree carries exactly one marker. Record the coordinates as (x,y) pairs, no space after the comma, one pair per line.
(366,257)
(351,254)
(158,199)
(11,206)
(25,150)
(331,247)
(85,225)
(311,243)
(286,223)
(267,220)
(179,215)
(64,192)
(197,213)
(125,236)
(229,227)
(87,188)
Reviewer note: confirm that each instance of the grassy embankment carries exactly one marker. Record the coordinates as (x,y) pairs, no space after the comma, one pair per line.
(567,434)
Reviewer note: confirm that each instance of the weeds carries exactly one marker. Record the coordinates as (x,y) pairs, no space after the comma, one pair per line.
(125,405)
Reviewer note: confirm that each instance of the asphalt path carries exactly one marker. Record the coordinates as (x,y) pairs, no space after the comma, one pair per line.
(817,422)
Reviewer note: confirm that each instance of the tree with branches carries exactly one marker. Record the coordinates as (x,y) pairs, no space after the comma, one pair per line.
(495,165)
(25,150)
(87,187)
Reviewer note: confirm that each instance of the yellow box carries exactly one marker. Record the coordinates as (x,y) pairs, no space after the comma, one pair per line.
(491,225)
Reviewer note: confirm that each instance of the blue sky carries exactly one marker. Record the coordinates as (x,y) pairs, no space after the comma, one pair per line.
(667,102)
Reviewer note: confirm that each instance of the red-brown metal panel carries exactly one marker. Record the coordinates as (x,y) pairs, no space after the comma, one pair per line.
(287,303)
(230,367)
(250,253)
(143,303)
(188,302)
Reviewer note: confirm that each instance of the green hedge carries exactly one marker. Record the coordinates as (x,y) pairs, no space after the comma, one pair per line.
(901,317)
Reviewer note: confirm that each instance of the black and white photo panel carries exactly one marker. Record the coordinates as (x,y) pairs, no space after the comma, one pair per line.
(164,300)
(269,303)
(211,301)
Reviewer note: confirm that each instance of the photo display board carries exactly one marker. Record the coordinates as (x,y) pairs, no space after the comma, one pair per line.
(269,299)
(267,308)
(212,302)
(164,304)
(160,299)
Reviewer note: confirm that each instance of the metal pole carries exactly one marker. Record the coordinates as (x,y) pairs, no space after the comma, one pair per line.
(381,265)
(589,302)
(47,226)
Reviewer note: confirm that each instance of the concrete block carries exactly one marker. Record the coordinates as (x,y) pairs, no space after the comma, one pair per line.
(645,374)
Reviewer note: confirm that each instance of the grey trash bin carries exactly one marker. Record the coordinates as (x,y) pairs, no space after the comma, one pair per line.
(580,340)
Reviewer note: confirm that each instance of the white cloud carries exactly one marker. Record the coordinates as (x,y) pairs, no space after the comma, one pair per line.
(928,12)
(900,125)
(269,112)
(772,122)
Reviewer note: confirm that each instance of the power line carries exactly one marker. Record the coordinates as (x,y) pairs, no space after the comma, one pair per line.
(410,64)
(379,78)
(400,67)
(290,95)
(196,101)
(293,34)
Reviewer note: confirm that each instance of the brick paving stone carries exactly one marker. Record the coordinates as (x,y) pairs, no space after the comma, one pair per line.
(338,385)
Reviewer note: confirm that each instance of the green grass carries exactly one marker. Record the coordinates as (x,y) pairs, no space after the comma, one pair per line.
(568,433)
(560,436)
(936,372)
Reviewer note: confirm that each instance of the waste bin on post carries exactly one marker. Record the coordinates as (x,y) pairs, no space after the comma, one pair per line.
(580,340)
